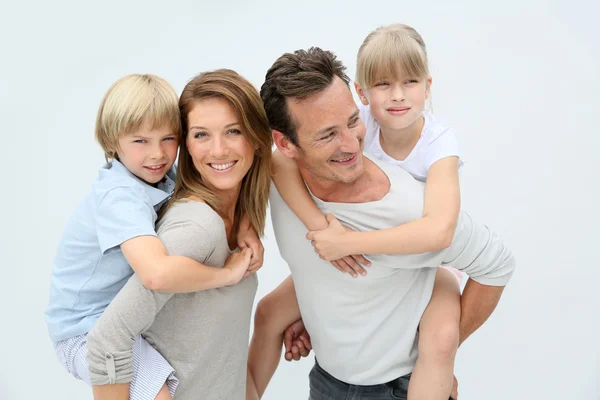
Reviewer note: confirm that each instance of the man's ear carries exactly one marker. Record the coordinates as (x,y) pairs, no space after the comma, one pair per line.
(361,94)
(283,144)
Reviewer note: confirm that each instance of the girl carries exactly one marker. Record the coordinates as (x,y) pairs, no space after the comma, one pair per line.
(393,85)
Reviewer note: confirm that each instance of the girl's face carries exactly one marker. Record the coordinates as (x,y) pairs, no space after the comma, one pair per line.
(218,147)
(396,105)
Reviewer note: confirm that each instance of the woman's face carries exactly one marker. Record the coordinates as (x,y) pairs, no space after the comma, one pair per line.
(217,145)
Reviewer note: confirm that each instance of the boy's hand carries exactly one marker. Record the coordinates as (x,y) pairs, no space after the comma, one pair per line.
(297,341)
(248,238)
(329,244)
(238,264)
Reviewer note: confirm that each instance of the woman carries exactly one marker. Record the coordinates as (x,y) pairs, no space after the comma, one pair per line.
(223,173)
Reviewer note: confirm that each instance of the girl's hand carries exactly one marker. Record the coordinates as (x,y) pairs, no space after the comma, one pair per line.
(329,243)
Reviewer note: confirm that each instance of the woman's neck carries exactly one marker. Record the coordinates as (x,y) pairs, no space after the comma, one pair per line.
(398,143)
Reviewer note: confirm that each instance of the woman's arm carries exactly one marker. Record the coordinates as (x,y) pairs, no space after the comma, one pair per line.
(432,232)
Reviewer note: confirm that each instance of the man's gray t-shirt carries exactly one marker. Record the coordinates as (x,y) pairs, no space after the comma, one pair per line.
(364,330)
(203,335)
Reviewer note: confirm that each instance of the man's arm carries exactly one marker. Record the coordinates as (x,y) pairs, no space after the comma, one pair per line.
(477,304)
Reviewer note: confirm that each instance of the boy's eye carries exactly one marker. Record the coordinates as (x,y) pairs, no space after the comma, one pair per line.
(411,81)
(381,83)
(170,138)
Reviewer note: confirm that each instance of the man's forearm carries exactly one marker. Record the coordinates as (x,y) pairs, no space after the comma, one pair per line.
(477,304)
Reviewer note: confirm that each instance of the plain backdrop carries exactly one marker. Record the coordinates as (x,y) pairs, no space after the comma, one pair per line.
(518,79)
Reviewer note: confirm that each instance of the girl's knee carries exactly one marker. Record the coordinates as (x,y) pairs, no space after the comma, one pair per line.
(440,344)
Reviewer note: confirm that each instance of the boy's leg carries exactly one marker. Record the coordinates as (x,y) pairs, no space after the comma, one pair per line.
(438,341)
(274,313)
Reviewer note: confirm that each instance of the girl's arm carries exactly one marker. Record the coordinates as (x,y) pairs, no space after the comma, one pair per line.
(432,232)
(290,186)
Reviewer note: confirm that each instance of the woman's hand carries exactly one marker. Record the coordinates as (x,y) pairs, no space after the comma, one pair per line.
(238,264)
(330,244)
(248,238)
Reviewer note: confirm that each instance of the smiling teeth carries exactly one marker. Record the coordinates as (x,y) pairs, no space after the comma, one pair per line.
(344,160)
(221,167)
(155,167)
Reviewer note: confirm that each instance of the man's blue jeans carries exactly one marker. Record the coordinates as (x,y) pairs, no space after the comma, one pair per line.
(325,387)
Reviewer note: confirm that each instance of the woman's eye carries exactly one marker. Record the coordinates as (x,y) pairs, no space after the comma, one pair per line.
(234,131)
(198,135)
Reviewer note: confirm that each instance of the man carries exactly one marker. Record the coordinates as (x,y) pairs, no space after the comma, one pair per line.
(363,331)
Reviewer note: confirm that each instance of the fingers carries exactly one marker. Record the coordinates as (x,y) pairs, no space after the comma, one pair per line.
(343,266)
(356,267)
(361,259)
(310,235)
(288,338)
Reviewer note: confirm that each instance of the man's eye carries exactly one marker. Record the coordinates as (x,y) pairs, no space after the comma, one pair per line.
(327,137)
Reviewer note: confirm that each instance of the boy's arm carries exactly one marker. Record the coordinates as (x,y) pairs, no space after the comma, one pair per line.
(157,270)
(432,232)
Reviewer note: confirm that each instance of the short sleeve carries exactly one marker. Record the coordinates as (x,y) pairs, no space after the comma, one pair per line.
(442,145)
(122,214)
(187,239)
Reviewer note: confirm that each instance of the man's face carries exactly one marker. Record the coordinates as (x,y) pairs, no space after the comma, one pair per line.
(330,134)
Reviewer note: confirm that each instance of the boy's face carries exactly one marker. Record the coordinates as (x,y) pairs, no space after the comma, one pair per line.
(396,104)
(149,154)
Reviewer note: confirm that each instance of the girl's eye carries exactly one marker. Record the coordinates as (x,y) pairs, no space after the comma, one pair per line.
(170,138)
(411,81)
(139,141)
(381,84)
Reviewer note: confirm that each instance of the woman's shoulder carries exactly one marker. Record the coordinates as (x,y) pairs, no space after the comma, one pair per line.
(187,212)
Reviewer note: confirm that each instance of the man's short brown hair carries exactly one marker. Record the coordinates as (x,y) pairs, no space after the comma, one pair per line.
(297,75)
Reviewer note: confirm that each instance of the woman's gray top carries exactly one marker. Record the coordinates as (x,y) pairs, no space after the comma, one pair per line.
(203,335)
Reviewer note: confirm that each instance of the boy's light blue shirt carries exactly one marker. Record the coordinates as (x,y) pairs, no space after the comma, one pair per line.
(89,268)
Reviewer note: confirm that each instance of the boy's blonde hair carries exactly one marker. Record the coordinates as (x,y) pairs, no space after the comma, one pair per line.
(393,52)
(132,103)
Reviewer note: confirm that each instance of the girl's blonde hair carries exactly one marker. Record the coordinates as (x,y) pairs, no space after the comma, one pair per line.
(393,52)
(247,104)
(132,103)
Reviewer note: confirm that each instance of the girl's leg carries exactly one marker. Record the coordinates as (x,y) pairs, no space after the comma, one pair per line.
(438,341)
(274,313)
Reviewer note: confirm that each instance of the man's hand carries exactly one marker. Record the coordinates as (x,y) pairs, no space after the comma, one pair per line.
(454,392)
(247,238)
(296,341)
(329,244)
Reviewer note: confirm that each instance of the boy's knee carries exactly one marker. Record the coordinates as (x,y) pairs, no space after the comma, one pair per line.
(441,344)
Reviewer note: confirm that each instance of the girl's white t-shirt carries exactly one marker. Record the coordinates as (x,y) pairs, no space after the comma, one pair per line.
(437,141)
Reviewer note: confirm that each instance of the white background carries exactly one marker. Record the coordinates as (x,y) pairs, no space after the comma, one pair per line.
(518,79)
